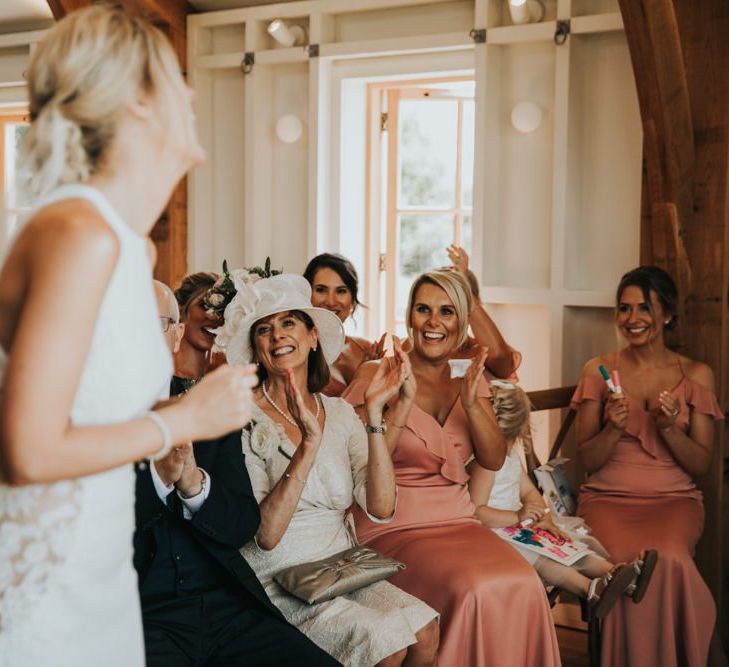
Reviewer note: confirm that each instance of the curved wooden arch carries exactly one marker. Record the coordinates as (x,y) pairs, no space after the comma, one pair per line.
(680,56)
(653,37)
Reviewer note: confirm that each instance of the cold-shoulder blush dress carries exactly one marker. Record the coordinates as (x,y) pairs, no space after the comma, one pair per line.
(641,498)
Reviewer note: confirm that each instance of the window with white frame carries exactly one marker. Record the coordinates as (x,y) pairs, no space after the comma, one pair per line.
(13,127)
(426,160)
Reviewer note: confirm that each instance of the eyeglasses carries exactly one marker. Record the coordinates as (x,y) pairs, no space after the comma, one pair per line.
(167,322)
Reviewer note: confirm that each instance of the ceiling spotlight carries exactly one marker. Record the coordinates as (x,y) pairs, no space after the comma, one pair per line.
(526,11)
(287,34)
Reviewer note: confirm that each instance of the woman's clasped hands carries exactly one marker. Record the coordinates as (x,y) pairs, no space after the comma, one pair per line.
(667,411)
(664,413)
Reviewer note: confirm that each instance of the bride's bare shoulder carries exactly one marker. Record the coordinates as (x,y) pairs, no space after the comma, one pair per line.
(73,228)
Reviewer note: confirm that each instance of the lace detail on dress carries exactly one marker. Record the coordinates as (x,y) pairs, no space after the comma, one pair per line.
(36,530)
(67,586)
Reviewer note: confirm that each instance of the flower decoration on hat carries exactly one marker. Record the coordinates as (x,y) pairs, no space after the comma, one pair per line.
(218,297)
(232,298)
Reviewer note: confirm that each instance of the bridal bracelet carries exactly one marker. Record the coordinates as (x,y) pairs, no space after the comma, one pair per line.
(166,436)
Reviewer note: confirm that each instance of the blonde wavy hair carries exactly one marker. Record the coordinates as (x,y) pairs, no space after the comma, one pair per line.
(89,66)
(456,287)
(512,409)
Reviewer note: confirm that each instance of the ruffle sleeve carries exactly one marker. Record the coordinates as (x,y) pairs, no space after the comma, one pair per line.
(354,393)
(589,388)
(433,436)
(703,400)
(516,358)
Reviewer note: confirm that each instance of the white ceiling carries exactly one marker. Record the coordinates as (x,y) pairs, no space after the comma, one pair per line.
(19,15)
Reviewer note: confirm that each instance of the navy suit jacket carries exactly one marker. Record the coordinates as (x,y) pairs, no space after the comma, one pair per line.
(227,520)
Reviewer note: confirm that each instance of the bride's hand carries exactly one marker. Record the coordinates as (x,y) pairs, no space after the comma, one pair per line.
(220,403)
(305,419)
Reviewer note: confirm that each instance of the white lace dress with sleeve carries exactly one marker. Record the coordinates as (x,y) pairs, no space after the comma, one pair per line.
(68,591)
(362,627)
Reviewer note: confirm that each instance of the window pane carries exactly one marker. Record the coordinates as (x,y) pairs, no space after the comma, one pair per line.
(422,243)
(428,148)
(15,197)
(466,234)
(467,153)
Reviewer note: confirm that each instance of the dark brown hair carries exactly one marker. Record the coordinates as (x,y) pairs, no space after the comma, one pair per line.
(652,279)
(341,266)
(317,373)
(191,287)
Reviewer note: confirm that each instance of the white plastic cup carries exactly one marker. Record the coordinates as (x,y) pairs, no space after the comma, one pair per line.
(459,367)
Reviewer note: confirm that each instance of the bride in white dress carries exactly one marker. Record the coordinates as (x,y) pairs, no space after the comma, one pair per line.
(82,358)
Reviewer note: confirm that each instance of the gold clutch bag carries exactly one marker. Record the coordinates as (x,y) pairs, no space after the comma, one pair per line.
(338,574)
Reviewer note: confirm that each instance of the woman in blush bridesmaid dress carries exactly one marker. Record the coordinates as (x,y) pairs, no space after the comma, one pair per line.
(493,607)
(643,447)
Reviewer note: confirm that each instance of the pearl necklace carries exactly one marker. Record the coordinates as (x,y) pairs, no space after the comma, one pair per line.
(283,414)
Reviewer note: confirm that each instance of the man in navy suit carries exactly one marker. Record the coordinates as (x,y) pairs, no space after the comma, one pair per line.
(201,602)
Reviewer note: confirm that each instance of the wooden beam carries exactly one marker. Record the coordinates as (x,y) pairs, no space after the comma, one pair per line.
(655,49)
(170,232)
(172,13)
(680,58)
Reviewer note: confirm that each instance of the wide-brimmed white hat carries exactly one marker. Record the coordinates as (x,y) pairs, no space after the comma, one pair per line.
(257,298)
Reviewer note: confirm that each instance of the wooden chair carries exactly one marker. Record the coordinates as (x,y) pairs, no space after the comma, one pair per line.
(555,399)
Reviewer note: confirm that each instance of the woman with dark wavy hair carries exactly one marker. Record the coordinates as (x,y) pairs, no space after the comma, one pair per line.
(334,286)
(643,448)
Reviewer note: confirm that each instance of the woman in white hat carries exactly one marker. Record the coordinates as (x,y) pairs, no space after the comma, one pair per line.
(310,459)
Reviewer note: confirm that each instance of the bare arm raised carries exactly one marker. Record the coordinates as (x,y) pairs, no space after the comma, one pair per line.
(52,261)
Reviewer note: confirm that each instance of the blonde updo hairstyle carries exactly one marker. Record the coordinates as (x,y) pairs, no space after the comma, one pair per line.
(81,76)
(455,286)
(512,409)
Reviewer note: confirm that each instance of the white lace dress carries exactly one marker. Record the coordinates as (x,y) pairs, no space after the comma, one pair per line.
(68,591)
(362,627)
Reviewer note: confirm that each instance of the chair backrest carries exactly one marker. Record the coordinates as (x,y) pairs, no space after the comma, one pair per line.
(551,399)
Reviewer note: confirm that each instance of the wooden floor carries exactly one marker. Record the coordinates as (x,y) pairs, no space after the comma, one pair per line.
(572,647)
(571,634)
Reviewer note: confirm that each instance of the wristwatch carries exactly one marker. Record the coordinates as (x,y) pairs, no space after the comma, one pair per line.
(382,428)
